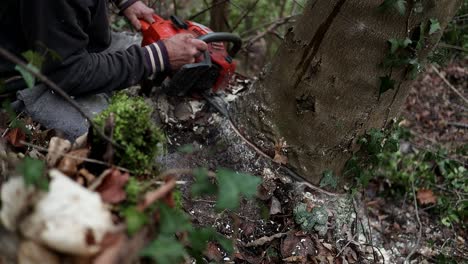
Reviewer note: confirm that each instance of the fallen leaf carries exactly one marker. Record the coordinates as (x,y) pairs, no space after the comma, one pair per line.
(57,146)
(112,248)
(69,165)
(279,157)
(294,246)
(15,136)
(213,252)
(80,142)
(275,207)
(426,196)
(112,188)
(295,259)
(88,176)
(31,253)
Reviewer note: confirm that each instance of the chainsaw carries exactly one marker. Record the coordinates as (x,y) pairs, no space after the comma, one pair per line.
(211,72)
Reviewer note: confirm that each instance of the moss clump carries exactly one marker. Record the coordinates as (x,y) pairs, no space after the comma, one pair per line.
(134,131)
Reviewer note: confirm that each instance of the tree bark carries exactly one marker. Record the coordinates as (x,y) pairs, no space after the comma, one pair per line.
(321,91)
(219,14)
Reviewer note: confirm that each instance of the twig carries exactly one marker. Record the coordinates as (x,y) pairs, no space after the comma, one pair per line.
(246,33)
(11,57)
(263,240)
(407,259)
(207,9)
(346,245)
(95,161)
(246,13)
(271,28)
(157,194)
(448,46)
(457,124)
(449,84)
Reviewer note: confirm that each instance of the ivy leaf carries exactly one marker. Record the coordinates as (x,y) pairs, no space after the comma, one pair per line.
(415,68)
(34,58)
(202,185)
(396,44)
(187,149)
(328,179)
(33,173)
(386,83)
(435,26)
(399,5)
(418,7)
(27,76)
(165,250)
(134,219)
(199,239)
(173,220)
(232,185)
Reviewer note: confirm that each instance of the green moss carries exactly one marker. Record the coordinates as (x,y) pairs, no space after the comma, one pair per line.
(134,131)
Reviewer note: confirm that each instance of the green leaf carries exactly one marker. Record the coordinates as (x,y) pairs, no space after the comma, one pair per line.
(232,186)
(386,83)
(435,26)
(328,179)
(399,5)
(34,58)
(33,173)
(202,184)
(173,220)
(225,243)
(165,250)
(134,219)
(187,148)
(27,76)
(422,33)
(396,44)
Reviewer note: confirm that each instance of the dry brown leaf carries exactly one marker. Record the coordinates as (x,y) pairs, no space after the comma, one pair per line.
(88,176)
(112,248)
(15,136)
(112,188)
(279,157)
(212,252)
(57,146)
(69,165)
(426,196)
(295,259)
(31,253)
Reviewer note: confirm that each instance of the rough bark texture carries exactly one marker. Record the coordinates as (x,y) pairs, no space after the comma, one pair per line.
(322,89)
(219,14)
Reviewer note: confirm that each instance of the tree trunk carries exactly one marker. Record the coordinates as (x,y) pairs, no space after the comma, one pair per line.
(321,91)
(219,14)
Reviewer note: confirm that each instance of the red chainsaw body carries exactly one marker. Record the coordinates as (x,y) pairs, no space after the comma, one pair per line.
(163,29)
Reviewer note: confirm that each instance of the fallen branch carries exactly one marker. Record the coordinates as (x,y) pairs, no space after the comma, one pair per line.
(263,240)
(157,194)
(457,124)
(408,258)
(449,84)
(12,58)
(95,161)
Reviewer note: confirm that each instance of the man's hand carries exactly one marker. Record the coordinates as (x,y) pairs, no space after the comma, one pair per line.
(139,10)
(183,49)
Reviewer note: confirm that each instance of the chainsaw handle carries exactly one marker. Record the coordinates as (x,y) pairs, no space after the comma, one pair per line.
(224,36)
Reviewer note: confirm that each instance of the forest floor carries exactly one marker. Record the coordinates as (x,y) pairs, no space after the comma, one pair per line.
(369,226)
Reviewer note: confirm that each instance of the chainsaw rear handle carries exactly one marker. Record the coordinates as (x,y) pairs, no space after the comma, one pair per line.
(224,37)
